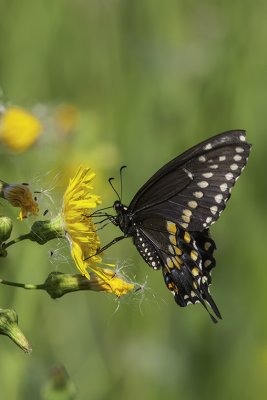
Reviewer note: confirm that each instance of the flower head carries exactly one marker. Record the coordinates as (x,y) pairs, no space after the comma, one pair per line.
(19,195)
(106,280)
(78,204)
(19,129)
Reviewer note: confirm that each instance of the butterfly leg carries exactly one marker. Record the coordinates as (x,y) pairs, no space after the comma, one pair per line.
(116,240)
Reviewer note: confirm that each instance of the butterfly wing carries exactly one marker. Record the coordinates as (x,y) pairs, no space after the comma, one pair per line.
(192,190)
(186,260)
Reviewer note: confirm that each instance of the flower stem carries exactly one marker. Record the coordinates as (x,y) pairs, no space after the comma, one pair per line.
(22,285)
(17,240)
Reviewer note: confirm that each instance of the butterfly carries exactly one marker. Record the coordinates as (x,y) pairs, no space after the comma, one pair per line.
(170,215)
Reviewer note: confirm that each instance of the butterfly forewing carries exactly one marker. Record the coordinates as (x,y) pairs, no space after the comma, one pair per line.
(206,174)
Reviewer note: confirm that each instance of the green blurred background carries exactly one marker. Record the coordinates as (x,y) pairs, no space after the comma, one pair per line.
(149,79)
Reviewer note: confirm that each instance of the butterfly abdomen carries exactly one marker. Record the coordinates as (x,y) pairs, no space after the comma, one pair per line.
(147,250)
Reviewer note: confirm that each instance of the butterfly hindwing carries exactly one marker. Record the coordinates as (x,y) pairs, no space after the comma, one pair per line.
(186,260)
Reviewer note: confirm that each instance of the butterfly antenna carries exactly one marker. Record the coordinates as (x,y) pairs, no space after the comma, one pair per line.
(121,169)
(110,182)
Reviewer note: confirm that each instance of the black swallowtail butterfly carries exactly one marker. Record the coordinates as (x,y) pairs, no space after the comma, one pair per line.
(170,216)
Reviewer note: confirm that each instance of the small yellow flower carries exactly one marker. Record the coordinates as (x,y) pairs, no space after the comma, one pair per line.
(19,195)
(19,129)
(78,205)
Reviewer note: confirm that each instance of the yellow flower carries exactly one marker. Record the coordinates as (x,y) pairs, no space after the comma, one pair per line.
(108,281)
(19,129)
(78,205)
(19,195)
(58,284)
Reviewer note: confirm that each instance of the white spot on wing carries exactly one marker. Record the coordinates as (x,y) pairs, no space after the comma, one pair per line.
(222,158)
(213,209)
(185,218)
(239,149)
(223,187)
(237,157)
(203,184)
(207,174)
(188,213)
(218,198)
(202,158)
(242,138)
(198,195)
(208,146)
(192,204)
(229,176)
(234,167)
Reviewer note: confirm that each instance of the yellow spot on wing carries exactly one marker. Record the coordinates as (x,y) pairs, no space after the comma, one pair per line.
(177,262)
(178,251)
(169,262)
(172,239)
(194,255)
(195,271)
(187,237)
(171,227)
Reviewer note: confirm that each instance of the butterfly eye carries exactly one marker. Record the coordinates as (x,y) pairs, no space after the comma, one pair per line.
(117,205)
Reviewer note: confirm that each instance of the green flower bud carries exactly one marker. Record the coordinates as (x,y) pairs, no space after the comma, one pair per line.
(5,228)
(9,327)
(43,231)
(57,284)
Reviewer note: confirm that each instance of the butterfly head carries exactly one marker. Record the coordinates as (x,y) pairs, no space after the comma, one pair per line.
(122,218)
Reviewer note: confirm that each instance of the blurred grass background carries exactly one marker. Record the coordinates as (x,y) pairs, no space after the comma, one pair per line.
(149,79)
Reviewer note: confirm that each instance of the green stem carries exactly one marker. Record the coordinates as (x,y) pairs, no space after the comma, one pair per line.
(17,240)
(22,285)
